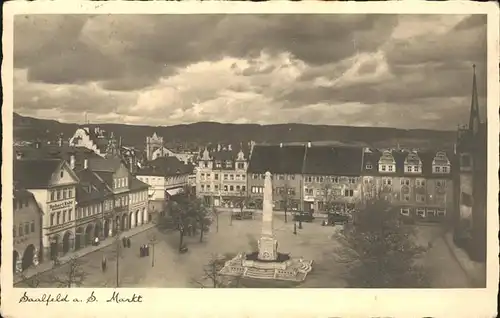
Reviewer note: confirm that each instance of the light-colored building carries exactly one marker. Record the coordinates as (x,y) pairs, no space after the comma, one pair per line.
(95,139)
(27,231)
(155,149)
(53,185)
(130,195)
(165,177)
(419,183)
(332,178)
(286,165)
(221,176)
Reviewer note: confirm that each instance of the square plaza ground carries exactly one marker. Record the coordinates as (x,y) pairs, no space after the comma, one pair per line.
(313,242)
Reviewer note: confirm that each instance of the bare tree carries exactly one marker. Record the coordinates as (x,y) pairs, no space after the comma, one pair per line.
(74,276)
(212,278)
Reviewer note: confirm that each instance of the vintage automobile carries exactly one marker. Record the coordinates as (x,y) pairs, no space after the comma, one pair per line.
(245,215)
(336,218)
(303,217)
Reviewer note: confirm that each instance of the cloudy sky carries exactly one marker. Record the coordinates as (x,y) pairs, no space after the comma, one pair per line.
(405,71)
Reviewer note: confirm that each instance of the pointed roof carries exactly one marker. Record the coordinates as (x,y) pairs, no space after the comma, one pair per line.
(474,107)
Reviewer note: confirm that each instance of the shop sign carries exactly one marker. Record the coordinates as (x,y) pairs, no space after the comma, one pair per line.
(60,205)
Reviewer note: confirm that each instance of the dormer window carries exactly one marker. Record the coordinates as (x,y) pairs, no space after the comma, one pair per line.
(413,163)
(218,164)
(369,166)
(386,162)
(441,164)
(229,164)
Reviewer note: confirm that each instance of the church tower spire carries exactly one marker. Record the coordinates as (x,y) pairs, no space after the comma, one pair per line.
(474,107)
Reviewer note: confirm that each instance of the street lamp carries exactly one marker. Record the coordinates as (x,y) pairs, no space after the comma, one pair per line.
(152,242)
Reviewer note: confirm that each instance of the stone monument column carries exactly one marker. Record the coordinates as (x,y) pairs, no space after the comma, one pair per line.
(268,246)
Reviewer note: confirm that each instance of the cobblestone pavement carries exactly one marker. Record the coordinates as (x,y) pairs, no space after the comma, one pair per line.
(172,269)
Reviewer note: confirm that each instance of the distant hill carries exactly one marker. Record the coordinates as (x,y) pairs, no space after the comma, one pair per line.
(28,129)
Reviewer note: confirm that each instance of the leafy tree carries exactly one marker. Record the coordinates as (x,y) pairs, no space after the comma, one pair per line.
(187,212)
(380,250)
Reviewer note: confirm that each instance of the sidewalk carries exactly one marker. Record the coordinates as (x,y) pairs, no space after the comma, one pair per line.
(475,271)
(48,265)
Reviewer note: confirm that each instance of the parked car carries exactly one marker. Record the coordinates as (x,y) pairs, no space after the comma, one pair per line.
(303,217)
(245,215)
(336,218)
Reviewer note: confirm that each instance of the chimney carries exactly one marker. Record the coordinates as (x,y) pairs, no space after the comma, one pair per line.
(60,141)
(281,145)
(85,163)
(72,162)
(455,148)
(229,147)
(131,162)
(309,144)
(19,155)
(218,147)
(38,144)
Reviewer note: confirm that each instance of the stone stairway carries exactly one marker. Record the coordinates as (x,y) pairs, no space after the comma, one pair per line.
(260,273)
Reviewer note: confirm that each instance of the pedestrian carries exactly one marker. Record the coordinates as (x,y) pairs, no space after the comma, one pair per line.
(128,242)
(147,249)
(141,251)
(124,241)
(103,265)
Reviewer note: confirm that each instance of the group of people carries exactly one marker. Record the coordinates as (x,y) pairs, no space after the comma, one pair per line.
(126,242)
(144,250)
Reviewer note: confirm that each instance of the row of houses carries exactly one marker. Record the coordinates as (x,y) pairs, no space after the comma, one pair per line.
(65,197)
(310,178)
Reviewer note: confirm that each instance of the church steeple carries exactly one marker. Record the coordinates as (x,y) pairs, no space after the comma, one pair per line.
(474,107)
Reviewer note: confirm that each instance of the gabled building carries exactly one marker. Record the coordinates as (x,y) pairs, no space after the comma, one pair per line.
(53,184)
(332,178)
(95,139)
(286,165)
(419,183)
(130,195)
(221,175)
(165,177)
(471,149)
(27,231)
(155,148)
(94,208)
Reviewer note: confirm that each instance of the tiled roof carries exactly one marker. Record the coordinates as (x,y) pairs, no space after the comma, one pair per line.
(91,187)
(56,152)
(36,173)
(136,184)
(22,194)
(327,160)
(164,166)
(104,164)
(426,157)
(106,176)
(276,159)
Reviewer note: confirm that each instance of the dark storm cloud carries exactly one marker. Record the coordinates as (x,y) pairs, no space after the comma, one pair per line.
(77,99)
(154,46)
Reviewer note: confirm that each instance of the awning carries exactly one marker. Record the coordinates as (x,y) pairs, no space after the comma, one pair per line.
(173,192)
